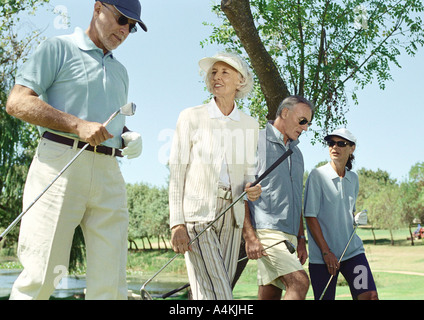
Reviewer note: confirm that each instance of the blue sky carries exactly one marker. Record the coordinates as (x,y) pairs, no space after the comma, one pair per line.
(164,80)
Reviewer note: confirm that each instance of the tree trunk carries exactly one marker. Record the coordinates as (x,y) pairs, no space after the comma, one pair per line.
(164,242)
(150,244)
(412,236)
(373,235)
(272,85)
(392,240)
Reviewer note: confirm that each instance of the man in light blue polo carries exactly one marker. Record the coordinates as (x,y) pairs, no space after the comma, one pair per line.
(68,88)
(277,215)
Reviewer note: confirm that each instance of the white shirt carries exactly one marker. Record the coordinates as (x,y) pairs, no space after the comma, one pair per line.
(216,113)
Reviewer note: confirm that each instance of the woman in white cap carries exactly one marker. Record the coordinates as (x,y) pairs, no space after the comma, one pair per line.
(212,162)
(330,202)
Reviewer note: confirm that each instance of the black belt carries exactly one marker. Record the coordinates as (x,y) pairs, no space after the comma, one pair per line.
(70,142)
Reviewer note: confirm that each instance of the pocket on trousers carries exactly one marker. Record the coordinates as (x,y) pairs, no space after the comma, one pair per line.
(51,151)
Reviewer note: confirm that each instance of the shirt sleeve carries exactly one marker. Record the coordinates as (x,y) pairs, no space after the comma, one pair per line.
(40,70)
(252,157)
(312,197)
(178,162)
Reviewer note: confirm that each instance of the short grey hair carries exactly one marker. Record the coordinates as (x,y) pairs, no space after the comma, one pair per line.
(291,101)
(245,75)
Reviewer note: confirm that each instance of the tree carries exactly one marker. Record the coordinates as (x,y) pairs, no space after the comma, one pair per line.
(313,48)
(369,182)
(385,208)
(412,195)
(136,197)
(157,214)
(149,213)
(17,139)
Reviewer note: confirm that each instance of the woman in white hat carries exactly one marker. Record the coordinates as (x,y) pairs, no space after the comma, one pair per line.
(211,163)
(329,206)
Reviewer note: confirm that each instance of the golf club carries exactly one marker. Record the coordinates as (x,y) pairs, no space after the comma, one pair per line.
(126,110)
(143,292)
(340,259)
(288,244)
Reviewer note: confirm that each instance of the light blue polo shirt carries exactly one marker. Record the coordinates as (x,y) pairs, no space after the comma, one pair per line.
(332,200)
(73,75)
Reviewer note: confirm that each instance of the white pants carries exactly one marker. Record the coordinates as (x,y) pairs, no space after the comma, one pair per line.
(212,263)
(90,193)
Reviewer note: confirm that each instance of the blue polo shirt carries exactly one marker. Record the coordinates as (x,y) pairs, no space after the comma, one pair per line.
(73,75)
(280,204)
(332,200)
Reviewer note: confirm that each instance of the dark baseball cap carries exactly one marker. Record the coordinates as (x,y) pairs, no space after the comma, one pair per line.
(129,8)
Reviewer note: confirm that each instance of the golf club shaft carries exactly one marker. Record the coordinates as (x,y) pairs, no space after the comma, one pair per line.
(19,217)
(340,259)
(287,243)
(262,176)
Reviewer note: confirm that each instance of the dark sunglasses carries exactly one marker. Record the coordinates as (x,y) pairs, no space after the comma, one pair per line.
(340,144)
(122,20)
(304,121)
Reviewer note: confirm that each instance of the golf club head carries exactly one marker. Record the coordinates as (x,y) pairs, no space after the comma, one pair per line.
(290,246)
(128,109)
(145,295)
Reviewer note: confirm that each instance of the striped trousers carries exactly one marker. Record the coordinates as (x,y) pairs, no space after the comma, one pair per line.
(212,263)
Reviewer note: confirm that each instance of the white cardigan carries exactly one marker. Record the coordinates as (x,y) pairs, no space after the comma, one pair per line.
(198,149)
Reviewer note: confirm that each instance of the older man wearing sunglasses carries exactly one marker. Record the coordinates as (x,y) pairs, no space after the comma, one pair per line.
(68,88)
(277,215)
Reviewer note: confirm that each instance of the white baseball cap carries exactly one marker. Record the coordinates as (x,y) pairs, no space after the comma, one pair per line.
(342,133)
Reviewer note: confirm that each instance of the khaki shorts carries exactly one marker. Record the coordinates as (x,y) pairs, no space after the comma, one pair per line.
(279,260)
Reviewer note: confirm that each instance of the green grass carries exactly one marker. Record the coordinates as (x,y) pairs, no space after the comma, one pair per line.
(398,269)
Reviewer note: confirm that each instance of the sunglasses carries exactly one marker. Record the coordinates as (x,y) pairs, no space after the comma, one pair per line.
(304,121)
(340,144)
(122,20)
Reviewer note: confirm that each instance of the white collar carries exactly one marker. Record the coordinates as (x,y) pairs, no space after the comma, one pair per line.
(215,112)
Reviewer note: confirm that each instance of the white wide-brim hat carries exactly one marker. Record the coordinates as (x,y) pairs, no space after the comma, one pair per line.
(207,63)
(342,133)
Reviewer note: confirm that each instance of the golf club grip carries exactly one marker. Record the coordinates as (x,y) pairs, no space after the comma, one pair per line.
(273,166)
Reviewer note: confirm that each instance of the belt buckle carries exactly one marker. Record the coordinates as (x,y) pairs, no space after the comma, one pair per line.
(95,149)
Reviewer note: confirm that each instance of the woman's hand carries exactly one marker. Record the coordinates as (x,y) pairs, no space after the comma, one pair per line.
(180,239)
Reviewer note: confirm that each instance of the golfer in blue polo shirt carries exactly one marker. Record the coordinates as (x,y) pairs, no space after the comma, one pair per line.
(329,205)
(68,88)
